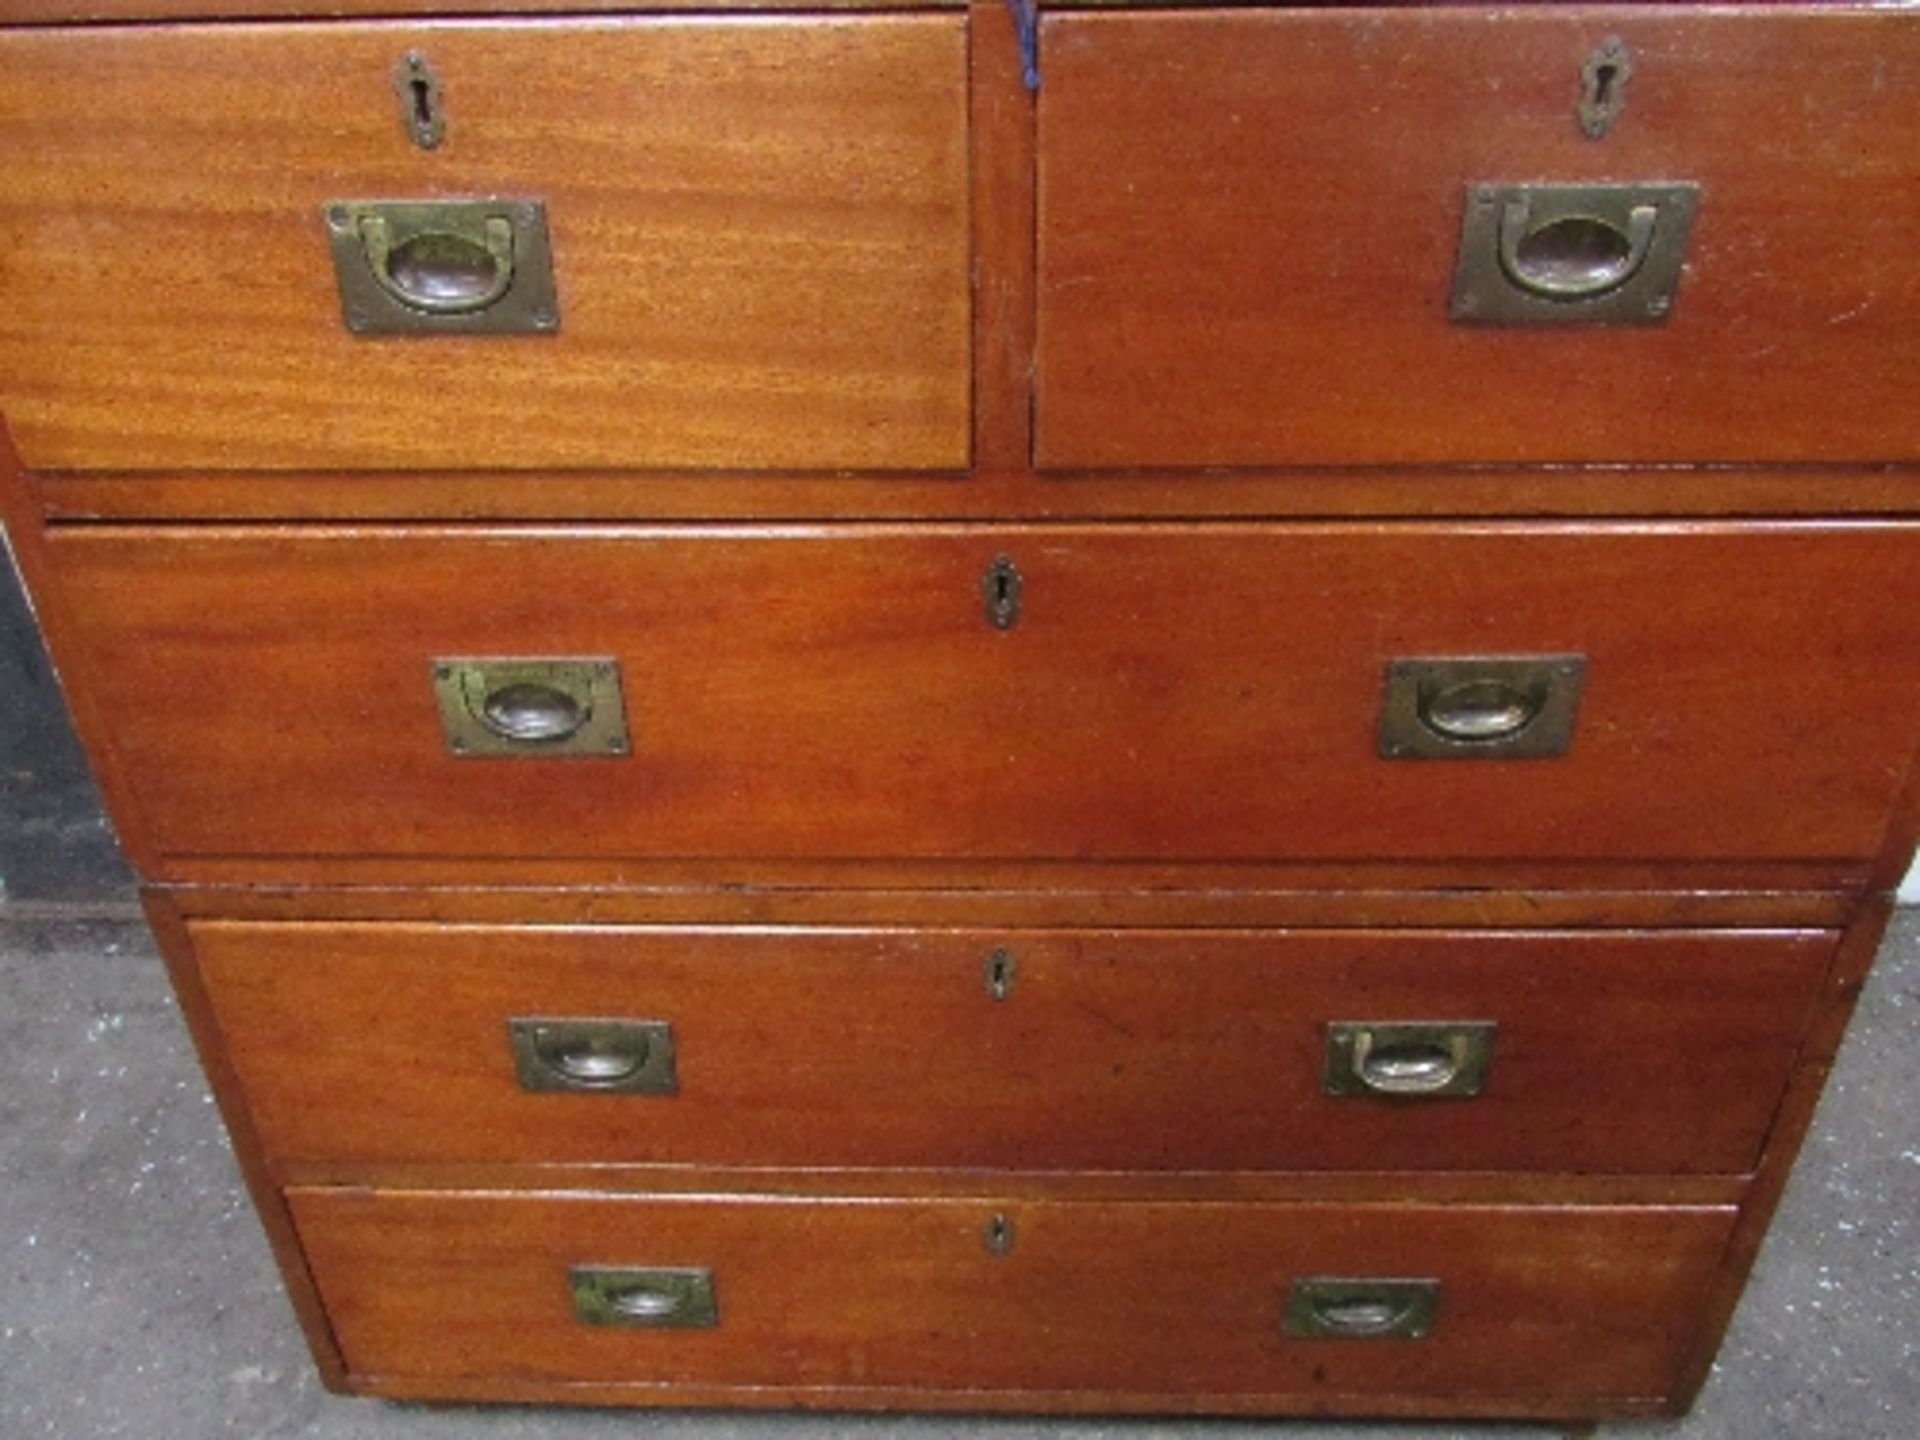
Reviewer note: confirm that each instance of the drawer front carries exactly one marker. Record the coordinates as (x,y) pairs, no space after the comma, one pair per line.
(1549,1304)
(1164,692)
(757,232)
(1050,1050)
(1255,269)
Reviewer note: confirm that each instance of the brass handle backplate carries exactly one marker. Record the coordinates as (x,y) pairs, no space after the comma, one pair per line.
(1490,707)
(438,267)
(1540,254)
(530,705)
(593,1056)
(644,1297)
(1338,1307)
(1414,1060)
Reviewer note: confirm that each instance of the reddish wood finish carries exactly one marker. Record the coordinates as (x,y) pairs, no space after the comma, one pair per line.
(759,234)
(1205,896)
(1249,220)
(83,11)
(1434,494)
(1168,693)
(1574,1306)
(1113,1050)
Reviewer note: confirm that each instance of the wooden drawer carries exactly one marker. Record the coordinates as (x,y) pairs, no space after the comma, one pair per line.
(1249,219)
(758,232)
(1167,692)
(428,1292)
(1100,1050)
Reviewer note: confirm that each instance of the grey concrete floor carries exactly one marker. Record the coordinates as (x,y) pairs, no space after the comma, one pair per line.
(137,1297)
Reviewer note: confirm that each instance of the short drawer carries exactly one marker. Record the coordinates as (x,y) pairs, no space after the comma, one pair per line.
(1099,693)
(1584,1051)
(1249,223)
(1544,1305)
(756,229)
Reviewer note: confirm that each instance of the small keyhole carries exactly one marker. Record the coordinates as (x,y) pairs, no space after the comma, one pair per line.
(999,974)
(422,103)
(997,1235)
(1603,79)
(421,111)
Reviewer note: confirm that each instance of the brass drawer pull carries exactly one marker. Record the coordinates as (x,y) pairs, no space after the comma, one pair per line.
(1407,1060)
(1541,254)
(658,1298)
(530,706)
(1329,1307)
(625,1057)
(1480,707)
(442,266)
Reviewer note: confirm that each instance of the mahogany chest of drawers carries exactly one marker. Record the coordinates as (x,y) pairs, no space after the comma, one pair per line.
(936,706)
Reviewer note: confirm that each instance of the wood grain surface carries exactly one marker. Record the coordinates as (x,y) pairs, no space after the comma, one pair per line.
(1111,1050)
(1249,221)
(1543,1303)
(1170,693)
(759,230)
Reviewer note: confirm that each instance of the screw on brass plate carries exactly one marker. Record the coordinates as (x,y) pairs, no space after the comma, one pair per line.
(1603,86)
(997,970)
(997,1234)
(420,108)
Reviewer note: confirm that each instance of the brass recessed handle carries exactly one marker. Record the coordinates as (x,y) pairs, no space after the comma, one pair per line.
(1329,1307)
(1480,707)
(530,705)
(1573,256)
(1398,1059)
(442,267)
(628,1057)
(445,271)
(653,1297)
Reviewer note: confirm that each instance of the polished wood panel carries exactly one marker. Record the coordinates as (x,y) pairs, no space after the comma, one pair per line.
(1169,693)
(984,494)
(1574,1305)
(759,229)
(535,891)
(1249,220)
(121,11)
(1111,1050)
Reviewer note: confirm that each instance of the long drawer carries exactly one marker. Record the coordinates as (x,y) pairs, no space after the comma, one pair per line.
(1410,692)
(1051,1050)
(752,253)
(1459,1307)
(1276,237)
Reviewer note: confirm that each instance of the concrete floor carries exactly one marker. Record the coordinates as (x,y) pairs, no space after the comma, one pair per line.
(137,1298)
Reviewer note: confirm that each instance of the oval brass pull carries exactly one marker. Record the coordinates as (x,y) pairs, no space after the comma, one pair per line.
(1481,710)
(1573,257)
(1407,1059)
(646,1305)
(1339,1307)
(592,1054)
(666,1297)
(1359,1315)
(1411,1069)
(592,1060)
(532,712)
(443,272)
